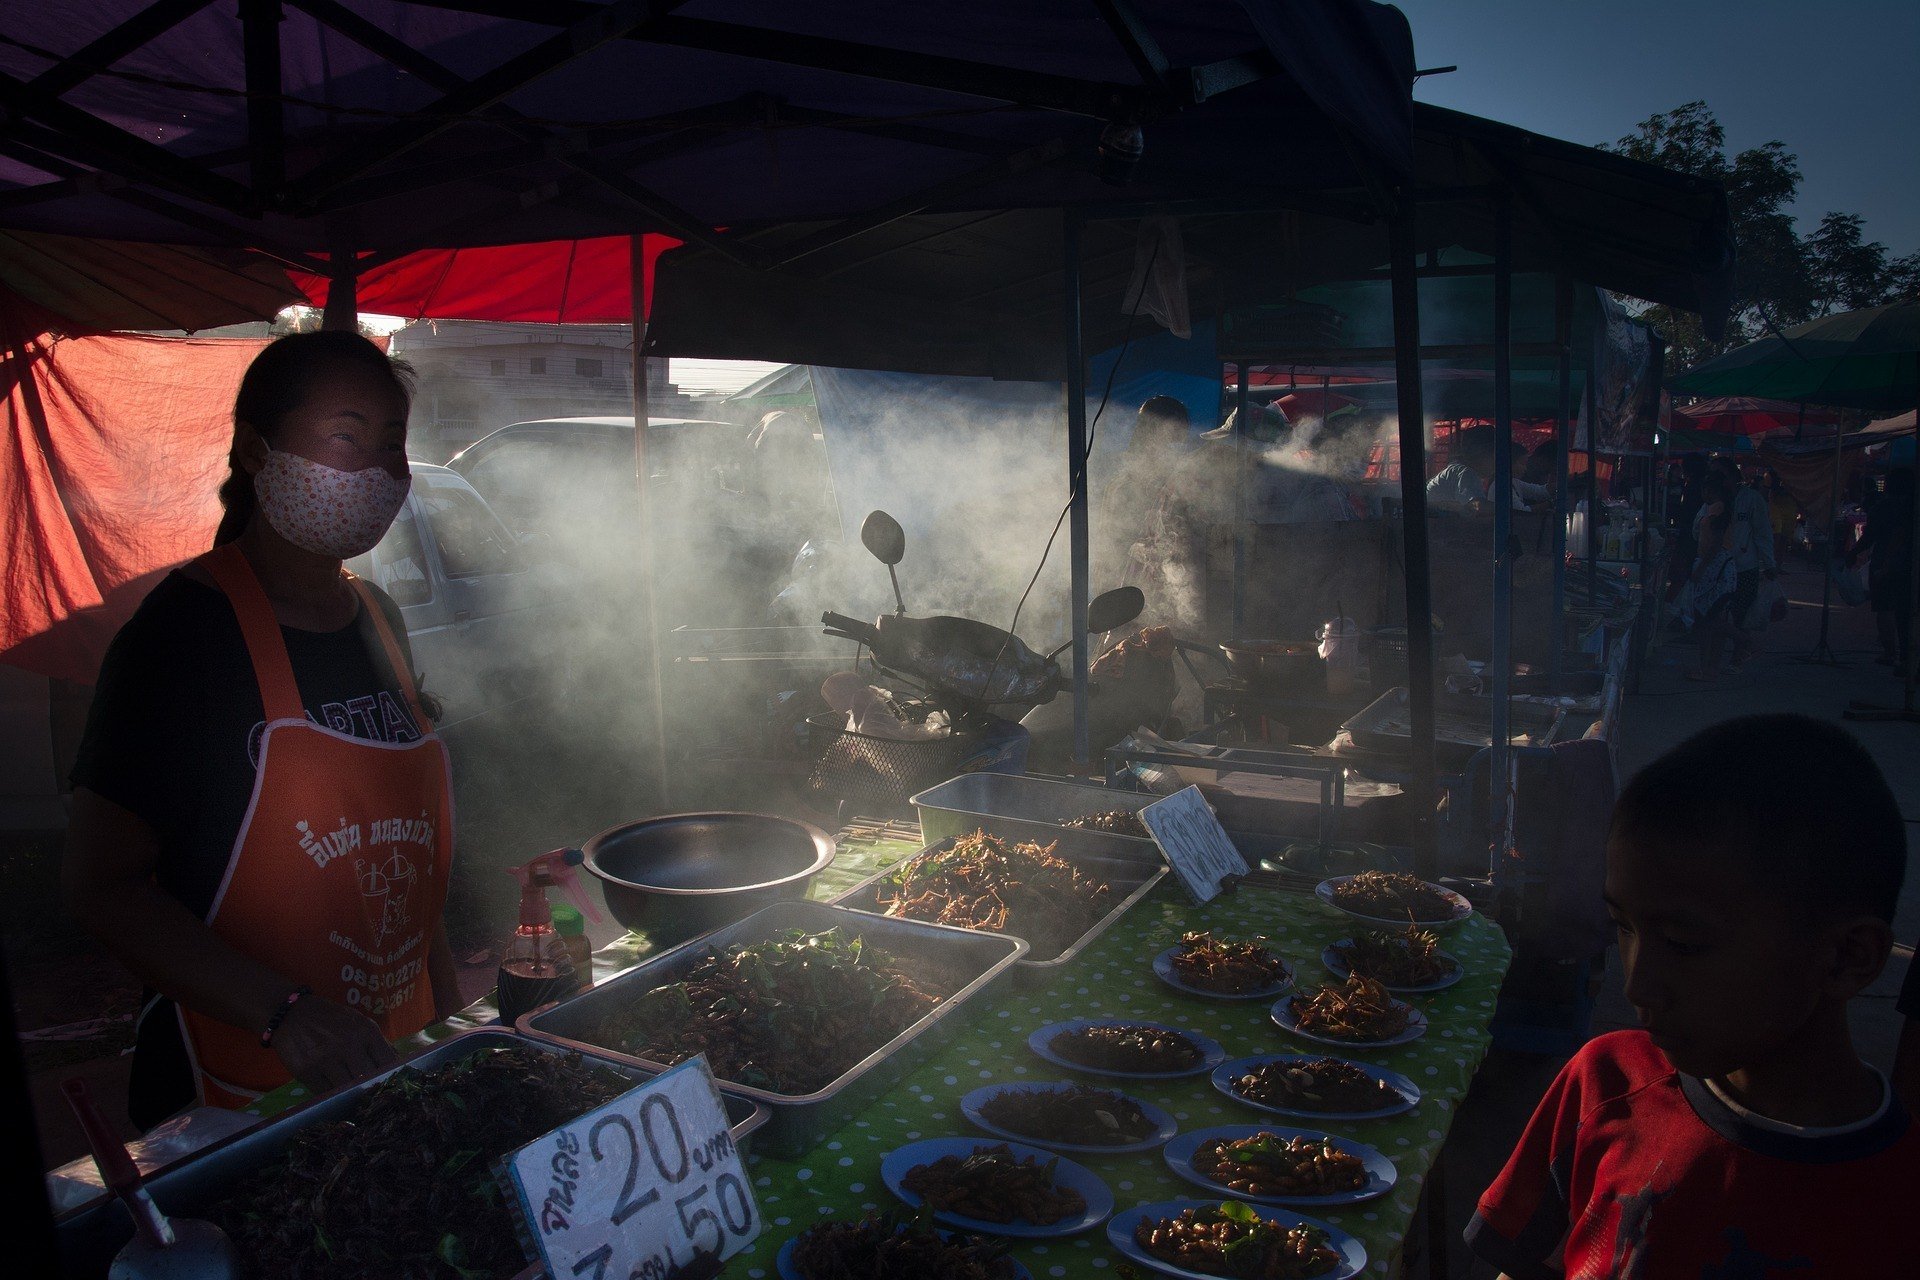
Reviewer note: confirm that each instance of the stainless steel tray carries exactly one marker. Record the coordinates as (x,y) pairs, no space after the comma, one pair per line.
(1463,722)
(1131,878)
(93,1233)
(1021,808)
(970,962)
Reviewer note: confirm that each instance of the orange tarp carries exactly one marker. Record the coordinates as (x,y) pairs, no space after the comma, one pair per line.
(115,449)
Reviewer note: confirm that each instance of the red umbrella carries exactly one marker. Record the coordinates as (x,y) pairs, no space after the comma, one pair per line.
(1748,416)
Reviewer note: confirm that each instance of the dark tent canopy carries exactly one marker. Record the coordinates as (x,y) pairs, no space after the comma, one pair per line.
(304,126)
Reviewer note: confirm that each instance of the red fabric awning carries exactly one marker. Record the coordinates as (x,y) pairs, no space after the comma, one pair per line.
(554,282)
(1750,416)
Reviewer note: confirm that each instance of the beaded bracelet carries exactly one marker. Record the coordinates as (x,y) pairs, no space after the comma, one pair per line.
(280,1014)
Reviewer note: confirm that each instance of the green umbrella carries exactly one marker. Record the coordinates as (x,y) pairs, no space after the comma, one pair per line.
(1862,359)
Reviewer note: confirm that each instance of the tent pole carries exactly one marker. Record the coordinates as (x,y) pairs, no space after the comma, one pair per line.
(1413,531)
(1562,440)
(1906,712)
(1593,489)
(1502,658)
(343,304)
(1243,430)
(643,515)
(1912,602)
(1823,648)
(1076,478)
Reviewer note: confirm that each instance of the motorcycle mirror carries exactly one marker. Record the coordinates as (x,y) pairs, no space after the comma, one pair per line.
(1115,608)
(882,535)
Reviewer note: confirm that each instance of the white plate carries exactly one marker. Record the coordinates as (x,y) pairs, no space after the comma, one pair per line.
(1461,907)
(1283,1018)
(1339,969)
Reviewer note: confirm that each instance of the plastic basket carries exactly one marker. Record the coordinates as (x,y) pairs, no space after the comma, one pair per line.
(875,776)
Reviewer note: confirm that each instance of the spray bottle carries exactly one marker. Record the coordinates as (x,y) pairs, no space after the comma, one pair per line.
(536,968)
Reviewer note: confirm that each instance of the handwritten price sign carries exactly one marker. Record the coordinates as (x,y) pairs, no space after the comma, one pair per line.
(639,1188)
(1196,846)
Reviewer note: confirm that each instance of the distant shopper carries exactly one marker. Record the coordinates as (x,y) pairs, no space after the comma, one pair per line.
(1466,483)
(1752,874)
(1751,540)
(1152,510)
(1785,514)
(1715,586)
(1887,544)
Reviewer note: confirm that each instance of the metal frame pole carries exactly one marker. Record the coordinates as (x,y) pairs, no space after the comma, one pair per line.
(1823,648)
(1562,441)
(1076,387)
(1912,602)
(1502,657)
(1423,768)
(343,286)
(1593,488)
(650,632)
(1242,529)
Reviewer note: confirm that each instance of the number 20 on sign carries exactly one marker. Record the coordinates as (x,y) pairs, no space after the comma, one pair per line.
(639,1188)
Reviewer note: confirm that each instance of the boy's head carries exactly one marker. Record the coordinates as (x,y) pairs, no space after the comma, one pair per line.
(1752,872)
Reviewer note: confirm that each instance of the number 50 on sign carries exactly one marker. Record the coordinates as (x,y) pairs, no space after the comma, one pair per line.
(640,1187)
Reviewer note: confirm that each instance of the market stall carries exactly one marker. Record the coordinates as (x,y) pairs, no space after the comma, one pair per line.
(802,1178)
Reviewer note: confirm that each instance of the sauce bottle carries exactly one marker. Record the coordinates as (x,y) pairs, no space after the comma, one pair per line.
(536,968)
(572,928)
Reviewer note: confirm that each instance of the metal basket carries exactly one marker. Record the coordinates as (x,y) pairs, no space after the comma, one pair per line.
(875,776)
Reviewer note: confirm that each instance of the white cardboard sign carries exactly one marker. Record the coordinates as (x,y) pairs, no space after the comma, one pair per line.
(1194,843)
(636,1189)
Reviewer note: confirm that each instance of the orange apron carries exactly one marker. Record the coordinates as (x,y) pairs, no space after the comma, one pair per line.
(339,874)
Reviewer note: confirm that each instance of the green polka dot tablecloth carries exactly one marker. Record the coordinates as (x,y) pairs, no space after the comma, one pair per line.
(1114,978)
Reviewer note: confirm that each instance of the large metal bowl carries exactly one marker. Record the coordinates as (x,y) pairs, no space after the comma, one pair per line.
(685,874)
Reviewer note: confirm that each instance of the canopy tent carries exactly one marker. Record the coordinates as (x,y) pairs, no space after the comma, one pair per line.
(307,126)
(71,285)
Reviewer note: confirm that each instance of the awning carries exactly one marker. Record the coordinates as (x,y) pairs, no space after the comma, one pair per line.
(393,125)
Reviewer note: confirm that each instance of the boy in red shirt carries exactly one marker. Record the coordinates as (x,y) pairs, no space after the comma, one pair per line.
(1752,874)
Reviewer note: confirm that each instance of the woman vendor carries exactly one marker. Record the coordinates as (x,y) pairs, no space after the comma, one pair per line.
(262,823)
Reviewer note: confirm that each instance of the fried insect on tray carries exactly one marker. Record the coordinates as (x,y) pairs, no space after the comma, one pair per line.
(789,1015)
(984,882)
(1267,1165)
(1075,1116)
(1325,1084)
(1229,968)
(995,1185)
(1394,895)
(403,1185)
(1358,1009)
(1232,1239)
(1408,958)
(1116,822)
(1127,1047)
(880,1246)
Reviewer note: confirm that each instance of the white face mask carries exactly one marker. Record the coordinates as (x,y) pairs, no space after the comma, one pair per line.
(325,510)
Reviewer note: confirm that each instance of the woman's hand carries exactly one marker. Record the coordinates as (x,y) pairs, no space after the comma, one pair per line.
(327,1045)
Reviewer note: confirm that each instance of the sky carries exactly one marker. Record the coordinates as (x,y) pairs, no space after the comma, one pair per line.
(1837,81)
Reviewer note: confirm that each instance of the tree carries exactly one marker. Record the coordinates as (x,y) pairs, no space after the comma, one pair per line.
(1780,277)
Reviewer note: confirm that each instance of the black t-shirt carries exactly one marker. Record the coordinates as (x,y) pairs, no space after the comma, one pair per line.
(174,737)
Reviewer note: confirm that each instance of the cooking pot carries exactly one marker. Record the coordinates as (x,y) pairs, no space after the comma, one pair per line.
(1274,664)
(685,874)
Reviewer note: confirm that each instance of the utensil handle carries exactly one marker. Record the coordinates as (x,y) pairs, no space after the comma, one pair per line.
(117,1168)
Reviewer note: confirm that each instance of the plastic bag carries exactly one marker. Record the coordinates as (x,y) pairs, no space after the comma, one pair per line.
(1851,583)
